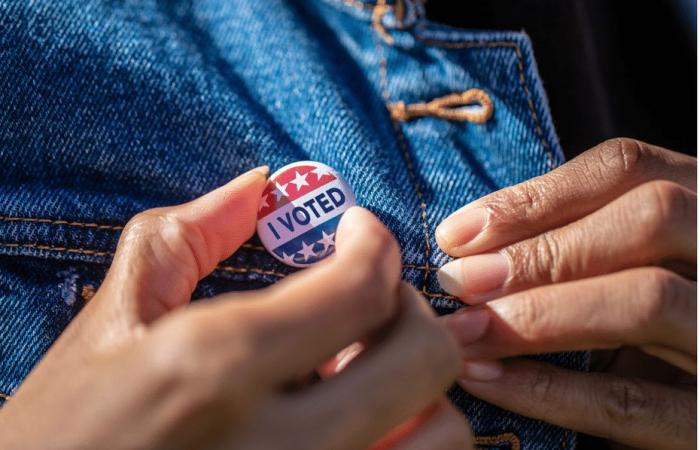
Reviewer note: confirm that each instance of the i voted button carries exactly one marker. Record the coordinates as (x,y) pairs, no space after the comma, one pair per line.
(300,210)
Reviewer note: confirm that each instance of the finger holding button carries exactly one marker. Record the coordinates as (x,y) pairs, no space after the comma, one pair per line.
(562,196)
(654,222)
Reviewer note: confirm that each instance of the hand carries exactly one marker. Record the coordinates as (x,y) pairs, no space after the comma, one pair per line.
(136,369)
(596,254)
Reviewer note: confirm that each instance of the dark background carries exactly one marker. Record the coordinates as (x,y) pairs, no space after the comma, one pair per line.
(610,67)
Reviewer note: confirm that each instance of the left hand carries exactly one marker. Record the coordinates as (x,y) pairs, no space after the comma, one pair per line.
(598,254)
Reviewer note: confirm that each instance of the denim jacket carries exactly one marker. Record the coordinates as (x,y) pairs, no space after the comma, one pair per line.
(111,107)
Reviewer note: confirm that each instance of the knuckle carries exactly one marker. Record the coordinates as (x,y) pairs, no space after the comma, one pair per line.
(548,260)
(665,295)
(163,226)
(539,259)
(522,201)
(621,155)
(363,280)
(143,224)
(625,402)
(661,204)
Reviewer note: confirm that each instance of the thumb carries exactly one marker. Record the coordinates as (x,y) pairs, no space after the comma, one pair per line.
(164,252)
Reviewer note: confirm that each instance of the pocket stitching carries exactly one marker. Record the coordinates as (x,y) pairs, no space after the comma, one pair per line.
(380,9)
(521,78)
(220,267)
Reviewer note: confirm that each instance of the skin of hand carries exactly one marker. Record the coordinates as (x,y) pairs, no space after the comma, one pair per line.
(598,254)
(139,368)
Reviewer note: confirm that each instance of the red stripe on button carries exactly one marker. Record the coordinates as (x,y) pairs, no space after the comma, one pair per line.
(293,192)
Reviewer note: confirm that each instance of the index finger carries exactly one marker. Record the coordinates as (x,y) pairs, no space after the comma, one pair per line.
(564,195)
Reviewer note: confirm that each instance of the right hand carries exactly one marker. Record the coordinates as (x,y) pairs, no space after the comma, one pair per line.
(136,369)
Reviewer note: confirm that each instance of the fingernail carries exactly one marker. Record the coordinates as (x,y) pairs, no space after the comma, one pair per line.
(345,356)
(250,176)
(461,227)
(473,275)
(481,370)
(467,325)
(263,170)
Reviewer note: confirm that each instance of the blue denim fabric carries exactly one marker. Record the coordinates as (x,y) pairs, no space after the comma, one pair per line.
(111,107)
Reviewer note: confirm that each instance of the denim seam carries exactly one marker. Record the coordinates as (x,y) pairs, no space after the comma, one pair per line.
(384,83)
(62,222)
(220,268)
(282,275)
(108,253)
(406,12)
(250,269)
(96,226)
(420,267)
(504,438)
(81,251)
(4,396)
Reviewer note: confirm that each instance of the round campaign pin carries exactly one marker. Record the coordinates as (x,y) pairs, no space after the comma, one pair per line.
(300,210)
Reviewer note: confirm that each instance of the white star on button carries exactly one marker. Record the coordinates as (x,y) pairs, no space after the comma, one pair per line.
(263,203)
(280,191)
(307,251)
(328,240)
(320,172)
(300,180)
(288,259)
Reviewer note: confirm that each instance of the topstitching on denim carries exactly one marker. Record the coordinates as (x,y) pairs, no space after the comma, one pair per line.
(108,253)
